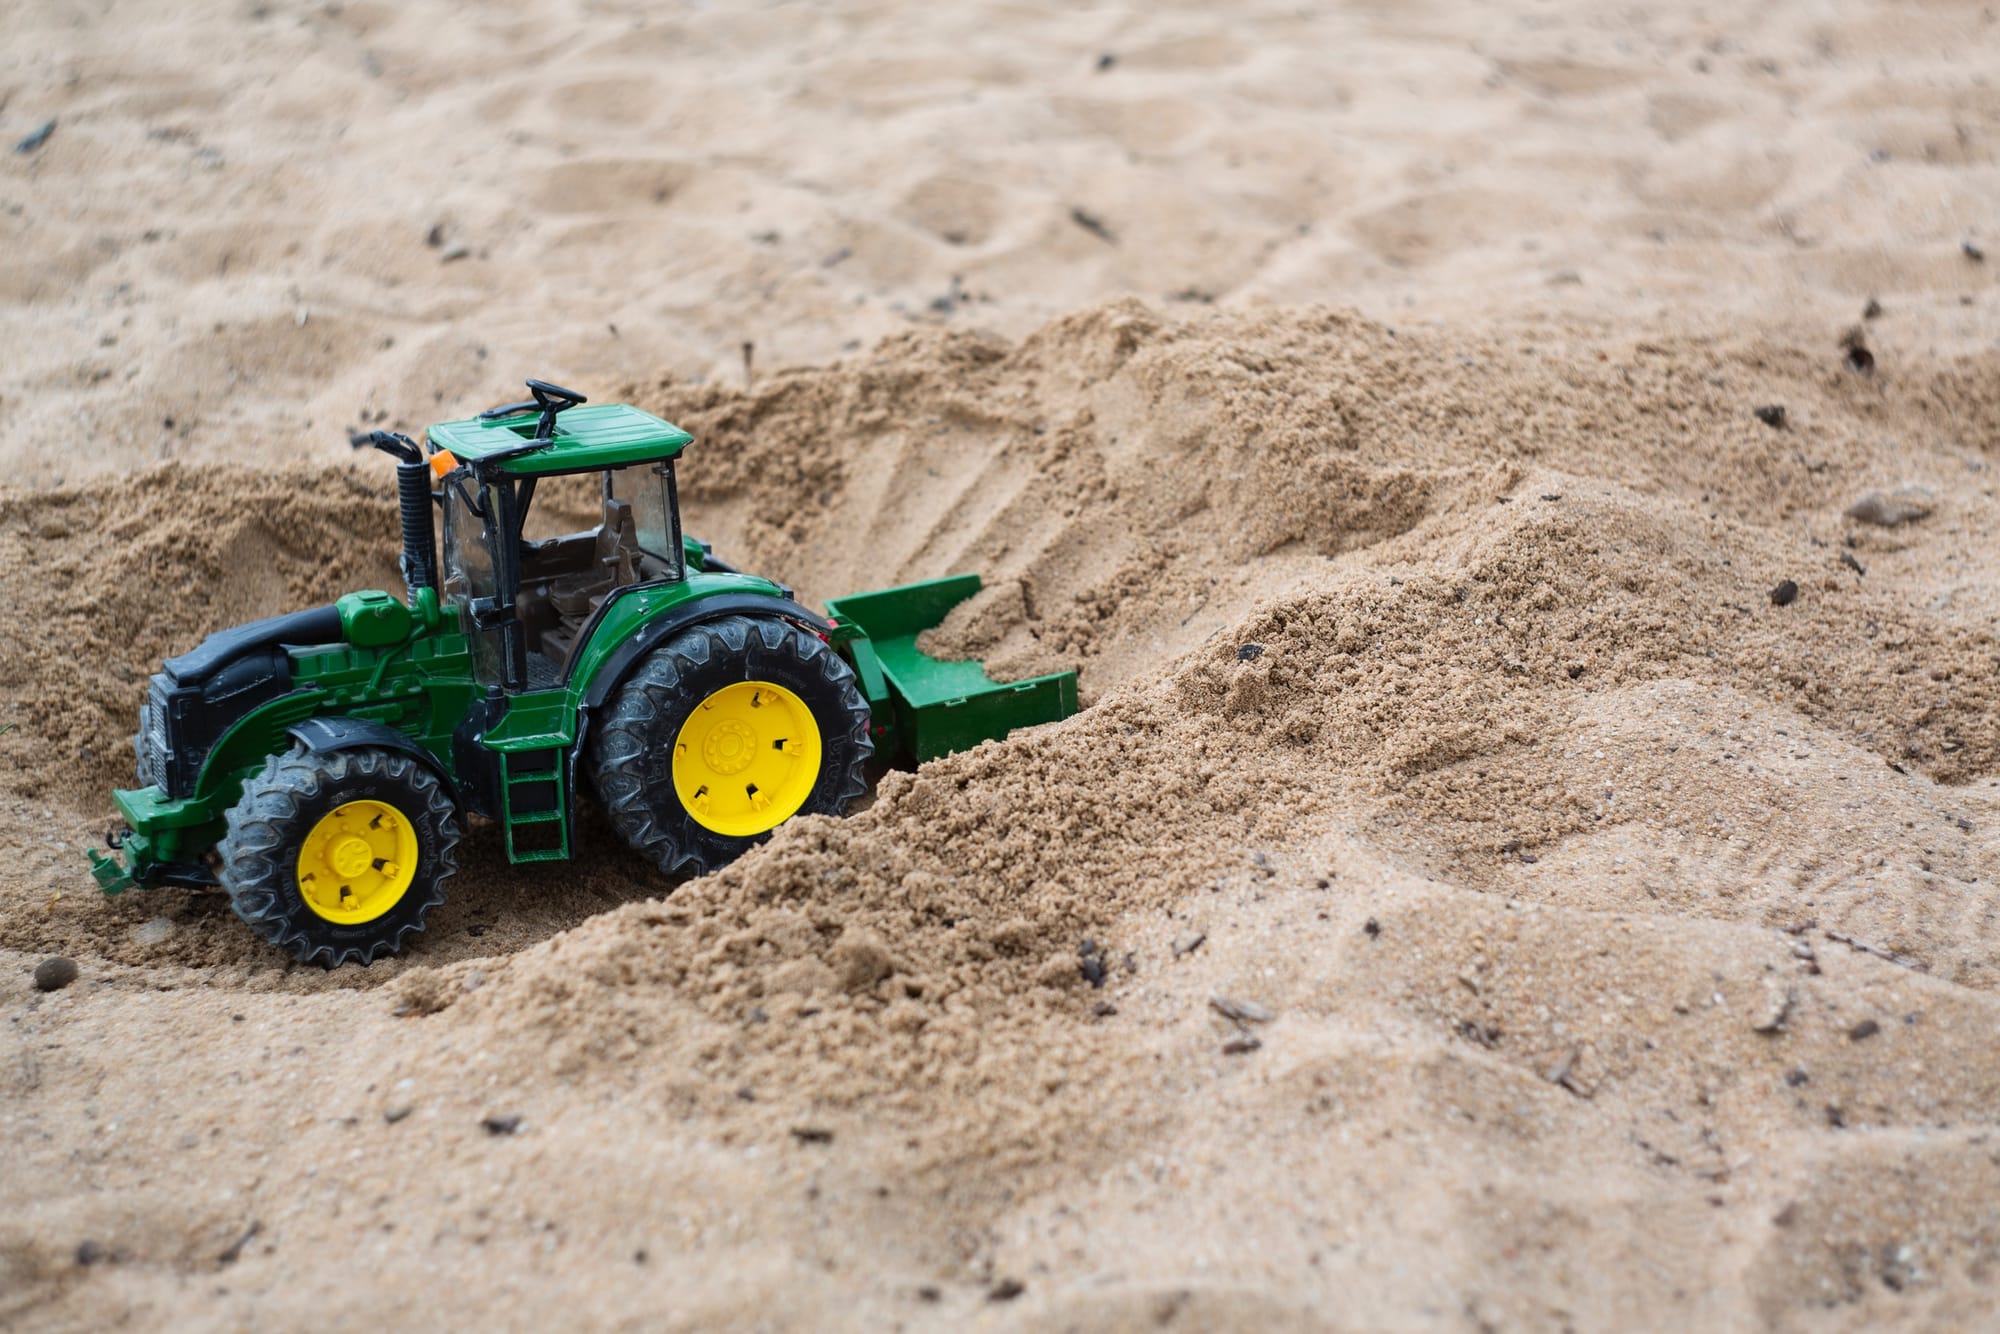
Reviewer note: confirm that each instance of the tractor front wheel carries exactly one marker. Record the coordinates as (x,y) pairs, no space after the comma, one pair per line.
(338,857)
(723,733)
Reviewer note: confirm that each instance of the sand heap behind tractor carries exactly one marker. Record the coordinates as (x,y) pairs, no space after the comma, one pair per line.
(316,766)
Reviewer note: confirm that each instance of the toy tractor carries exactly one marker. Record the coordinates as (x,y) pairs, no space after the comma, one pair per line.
(317,765)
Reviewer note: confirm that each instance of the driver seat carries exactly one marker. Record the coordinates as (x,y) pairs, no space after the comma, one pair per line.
(618,543)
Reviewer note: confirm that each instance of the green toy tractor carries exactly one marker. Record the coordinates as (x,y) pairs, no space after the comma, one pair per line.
(318,766)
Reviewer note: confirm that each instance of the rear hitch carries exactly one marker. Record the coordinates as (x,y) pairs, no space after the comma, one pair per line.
(109,872)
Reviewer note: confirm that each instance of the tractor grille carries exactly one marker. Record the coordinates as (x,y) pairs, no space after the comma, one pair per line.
(151,742)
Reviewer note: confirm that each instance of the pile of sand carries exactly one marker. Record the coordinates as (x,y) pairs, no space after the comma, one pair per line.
(1528,860)
(1604,930)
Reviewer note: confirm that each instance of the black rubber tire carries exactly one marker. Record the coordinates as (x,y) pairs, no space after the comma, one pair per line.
(631,744)
(280,806)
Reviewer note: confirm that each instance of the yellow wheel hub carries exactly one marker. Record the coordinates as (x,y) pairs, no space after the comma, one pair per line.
(747,758)
(358,862)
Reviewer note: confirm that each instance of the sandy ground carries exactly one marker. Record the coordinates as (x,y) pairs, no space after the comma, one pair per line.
(1595,819)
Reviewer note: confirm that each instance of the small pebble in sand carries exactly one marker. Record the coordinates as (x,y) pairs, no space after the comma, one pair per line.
(55,974)
(1894,508)
(38,136)
(1249,652)
(1774,1011)
(1785,594)
(1189,943)
(1859,359)
(502,1125)
(1867,1028)
(1970,249)
(1241,1011)
(1772,415)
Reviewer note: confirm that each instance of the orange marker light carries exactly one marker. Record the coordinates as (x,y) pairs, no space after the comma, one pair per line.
(443,462)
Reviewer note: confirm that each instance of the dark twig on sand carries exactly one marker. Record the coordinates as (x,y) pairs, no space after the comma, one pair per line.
(1890,956)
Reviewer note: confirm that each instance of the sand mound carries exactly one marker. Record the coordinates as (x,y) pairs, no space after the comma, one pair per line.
(1598,903)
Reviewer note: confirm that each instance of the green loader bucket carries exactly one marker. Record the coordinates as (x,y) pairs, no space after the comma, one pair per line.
(925,708)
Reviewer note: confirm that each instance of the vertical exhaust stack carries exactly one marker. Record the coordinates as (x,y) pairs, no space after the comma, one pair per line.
(413,496)
(419,561)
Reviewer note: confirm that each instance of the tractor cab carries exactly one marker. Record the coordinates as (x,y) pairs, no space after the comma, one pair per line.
(525,605)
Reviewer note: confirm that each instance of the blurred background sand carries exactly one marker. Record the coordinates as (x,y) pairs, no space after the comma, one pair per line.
(258,224)
(1364,397)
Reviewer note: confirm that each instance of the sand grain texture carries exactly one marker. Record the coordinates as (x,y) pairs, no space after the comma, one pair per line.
(1608,940)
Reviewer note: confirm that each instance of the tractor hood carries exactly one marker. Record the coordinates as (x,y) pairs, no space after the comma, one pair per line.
(199,694)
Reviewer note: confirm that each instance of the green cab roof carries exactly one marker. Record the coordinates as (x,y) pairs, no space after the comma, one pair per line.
(608,435)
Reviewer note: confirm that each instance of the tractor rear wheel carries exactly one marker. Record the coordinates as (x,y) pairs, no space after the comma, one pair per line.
(338,857)
(723,733)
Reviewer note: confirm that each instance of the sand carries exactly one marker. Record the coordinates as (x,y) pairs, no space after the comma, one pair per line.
(1528,860)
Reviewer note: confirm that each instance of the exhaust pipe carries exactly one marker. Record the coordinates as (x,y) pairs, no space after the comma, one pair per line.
(413,496)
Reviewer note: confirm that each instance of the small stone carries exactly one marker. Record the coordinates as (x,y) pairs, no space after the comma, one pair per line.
(1006,1290)
(1372,927)
(502,1125)
(397,1111)
(1785,594)
(1847,559)
(1093,224)
(1859,359)
(90,1253)
(1106,59)
(454,254)
(1867,1028)
(1772,415)
(1249,652)
(1895,508)
(1872,310)
(1189,943)
(36,137)
(1970,249)
(55,974)
(1241,1011)
(1775,1009)
(1092,969)
(812,1134)
(1899,1269)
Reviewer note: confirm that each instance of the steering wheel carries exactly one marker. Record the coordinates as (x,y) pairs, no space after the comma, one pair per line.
(549,399)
